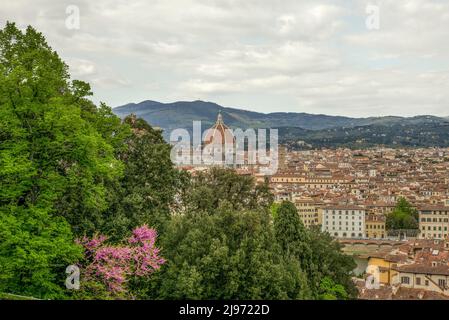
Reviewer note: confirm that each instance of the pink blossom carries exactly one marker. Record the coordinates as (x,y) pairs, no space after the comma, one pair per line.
(115,264)
(143,234)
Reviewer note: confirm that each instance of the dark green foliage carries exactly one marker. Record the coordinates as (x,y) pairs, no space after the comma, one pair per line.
(227,255)
(208,190)
(290,232)
(316,252)
(224,247)
(328,260)
(406,132)
(145,193)
(234,250)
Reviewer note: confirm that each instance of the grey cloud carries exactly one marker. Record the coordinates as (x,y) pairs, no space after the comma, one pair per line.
(312,56)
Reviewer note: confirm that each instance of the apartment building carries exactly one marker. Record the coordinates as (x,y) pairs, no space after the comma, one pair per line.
(434,222)
(418,276)
(309,212)
(344,221)
(288,178)
(375,226)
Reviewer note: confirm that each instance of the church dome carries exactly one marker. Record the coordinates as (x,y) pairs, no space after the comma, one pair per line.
(219,133)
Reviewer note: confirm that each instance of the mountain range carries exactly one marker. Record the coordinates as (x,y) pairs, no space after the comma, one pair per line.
(299,130)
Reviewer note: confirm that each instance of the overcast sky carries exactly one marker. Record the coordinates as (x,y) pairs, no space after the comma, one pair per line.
(264,55)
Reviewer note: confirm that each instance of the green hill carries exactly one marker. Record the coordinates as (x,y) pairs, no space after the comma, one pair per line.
(316,130)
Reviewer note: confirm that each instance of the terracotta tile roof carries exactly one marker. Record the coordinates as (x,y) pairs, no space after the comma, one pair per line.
(423,269)
(417,294)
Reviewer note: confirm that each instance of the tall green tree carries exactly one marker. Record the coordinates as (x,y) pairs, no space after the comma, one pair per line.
(290,232)
(404,216)
(146,192)
(316,252)
(54,165)
(328,260)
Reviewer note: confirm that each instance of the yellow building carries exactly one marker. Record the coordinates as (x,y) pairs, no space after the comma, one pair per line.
(309,212)
(385,264)
(375,226)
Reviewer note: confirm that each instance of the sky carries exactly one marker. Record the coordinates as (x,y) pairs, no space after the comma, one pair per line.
(354,58)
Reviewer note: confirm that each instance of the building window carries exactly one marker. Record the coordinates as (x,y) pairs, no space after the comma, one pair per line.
(442,283)
(418,281)
(426,283)
(405,280)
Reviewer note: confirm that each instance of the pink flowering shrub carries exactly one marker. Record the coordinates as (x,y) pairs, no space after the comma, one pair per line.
(114,265)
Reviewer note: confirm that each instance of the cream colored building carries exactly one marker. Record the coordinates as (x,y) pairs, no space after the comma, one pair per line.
(432,278)
(309,182)
(344,221)
(287,178)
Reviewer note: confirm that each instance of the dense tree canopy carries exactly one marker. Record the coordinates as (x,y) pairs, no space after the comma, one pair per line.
(223,246)
(147,190)
(227,253)
(53,164)
(208,190)
(67,168)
